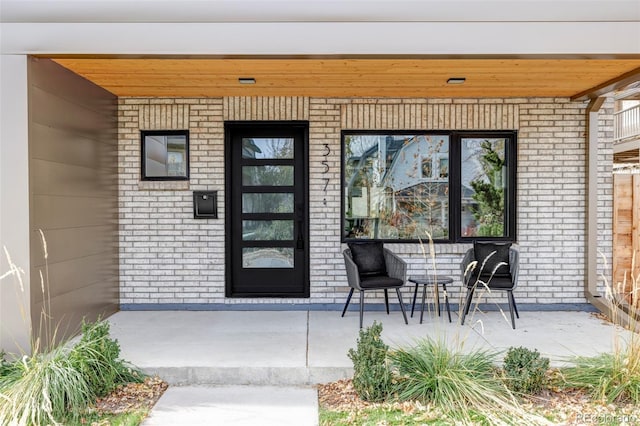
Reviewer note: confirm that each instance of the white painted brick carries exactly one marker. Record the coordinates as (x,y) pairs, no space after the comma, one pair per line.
(168,257)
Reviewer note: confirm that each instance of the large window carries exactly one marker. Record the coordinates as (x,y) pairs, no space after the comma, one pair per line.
(452,186)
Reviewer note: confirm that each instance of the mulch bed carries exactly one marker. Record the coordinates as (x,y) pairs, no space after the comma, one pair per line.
(132,397)
(567,407)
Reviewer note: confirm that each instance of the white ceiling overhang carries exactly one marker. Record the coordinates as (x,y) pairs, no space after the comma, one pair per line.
(111,11)
(534,47)
(315,27)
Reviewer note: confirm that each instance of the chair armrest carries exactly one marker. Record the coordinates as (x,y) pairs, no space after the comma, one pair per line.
(396,267)
(466,260)
(514,265)
(353,276)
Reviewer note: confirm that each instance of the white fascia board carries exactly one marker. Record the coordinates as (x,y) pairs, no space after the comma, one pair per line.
(318,10)
(376,38)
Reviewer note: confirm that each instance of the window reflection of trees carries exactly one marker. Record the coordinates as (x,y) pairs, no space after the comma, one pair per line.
(483,187)
(268,171)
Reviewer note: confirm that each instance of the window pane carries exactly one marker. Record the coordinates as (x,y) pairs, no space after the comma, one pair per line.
(267,148)
(262,230)
(267,175)
(165,156)
(267,203)
(396,186)
(267,257)
(483,187)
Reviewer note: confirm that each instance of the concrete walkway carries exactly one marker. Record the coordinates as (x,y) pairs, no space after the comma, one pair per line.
(259,367)
(236,405)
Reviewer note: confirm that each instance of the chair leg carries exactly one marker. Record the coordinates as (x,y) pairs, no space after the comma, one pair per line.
(386,300)
(346,305)
(515,307)
(415,296)
(361,306)
(467,305)
(511,308)
(424,297)
(446,300)
(404,313)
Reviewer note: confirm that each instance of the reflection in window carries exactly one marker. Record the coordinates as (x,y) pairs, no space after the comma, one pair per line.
(267,148)
(396,186)
(267,202)
(454,186)
(265,230)
(483,187)
(267,175)
(267,257)
(165,155)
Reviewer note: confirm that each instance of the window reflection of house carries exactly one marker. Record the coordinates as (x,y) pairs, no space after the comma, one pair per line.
(398,186)
(401,195)
(418,179)
(250,149)
(156,155)
(165,154)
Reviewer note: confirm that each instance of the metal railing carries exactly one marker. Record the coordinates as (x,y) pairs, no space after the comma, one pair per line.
(626,124)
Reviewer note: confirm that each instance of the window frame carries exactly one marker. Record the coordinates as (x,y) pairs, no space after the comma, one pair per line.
(143,154)
(454,181)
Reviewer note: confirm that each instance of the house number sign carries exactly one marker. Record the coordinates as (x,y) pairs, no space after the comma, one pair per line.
(325,163)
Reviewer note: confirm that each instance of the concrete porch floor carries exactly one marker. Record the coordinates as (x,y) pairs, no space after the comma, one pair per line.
(297,348)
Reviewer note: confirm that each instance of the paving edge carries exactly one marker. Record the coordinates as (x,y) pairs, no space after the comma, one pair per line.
(263,376)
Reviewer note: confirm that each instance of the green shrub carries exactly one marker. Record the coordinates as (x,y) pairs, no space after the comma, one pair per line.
(464,384)
(608,377)
(371,376)
(57,385)
(525,370)
(9,371)
(430,371)
(5,366)
(96,356)
(45,389)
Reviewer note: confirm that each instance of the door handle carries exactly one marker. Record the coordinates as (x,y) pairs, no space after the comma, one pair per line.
(300,240)
(300,218)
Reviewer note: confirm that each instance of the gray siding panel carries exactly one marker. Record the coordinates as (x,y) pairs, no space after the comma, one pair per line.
(55,212)
(60,113)
(62,83)
(73,196)
(59,146)
(69,309)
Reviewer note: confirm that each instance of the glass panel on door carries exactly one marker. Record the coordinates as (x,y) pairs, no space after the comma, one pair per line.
(267,257)
(270,175)
(267,203)
(266,230)
(267,148)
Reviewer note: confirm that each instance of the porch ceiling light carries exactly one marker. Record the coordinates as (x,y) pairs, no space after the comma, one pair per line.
(247,80)
(456,80)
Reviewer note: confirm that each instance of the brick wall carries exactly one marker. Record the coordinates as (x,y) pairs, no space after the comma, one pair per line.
(168,257)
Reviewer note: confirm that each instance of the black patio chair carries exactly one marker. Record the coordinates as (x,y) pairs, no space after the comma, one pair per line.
(370,266)
(496,268)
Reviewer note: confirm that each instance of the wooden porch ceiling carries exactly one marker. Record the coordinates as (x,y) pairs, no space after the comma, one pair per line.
(355,77)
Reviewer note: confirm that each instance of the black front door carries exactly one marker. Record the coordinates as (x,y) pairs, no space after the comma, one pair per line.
(267,210)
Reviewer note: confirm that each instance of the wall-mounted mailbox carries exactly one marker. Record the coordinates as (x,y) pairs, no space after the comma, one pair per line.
(205,204)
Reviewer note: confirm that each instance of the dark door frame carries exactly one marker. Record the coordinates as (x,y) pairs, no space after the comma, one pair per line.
(234,126)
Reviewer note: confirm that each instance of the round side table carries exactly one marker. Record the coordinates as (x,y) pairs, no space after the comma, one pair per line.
(437,282)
